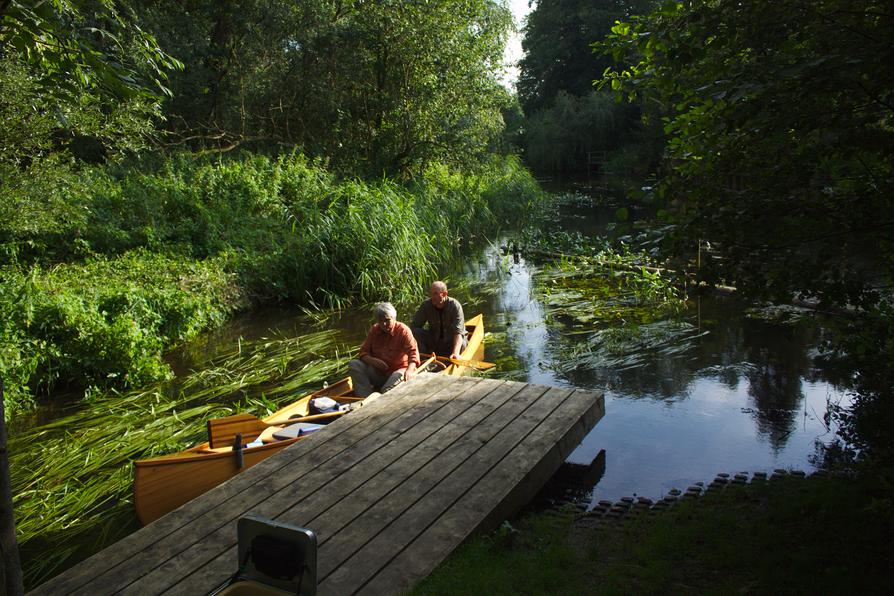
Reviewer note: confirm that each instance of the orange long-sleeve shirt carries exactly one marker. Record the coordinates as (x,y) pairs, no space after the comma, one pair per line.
(396,350)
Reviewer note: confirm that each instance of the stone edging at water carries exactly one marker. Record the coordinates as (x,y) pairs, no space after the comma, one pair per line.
(629,507)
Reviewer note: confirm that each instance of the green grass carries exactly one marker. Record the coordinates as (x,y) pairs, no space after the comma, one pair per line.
(791,536)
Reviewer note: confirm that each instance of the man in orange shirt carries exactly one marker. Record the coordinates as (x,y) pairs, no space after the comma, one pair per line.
(387,357)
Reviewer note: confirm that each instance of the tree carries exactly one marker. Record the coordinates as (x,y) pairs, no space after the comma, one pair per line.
(566,117)
(380,86)
(559,137)
(779,120)
(76,45)
(75,74)
(558,36)
(780,136)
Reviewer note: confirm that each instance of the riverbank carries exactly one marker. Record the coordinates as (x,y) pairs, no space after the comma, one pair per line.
(792,534)
(124,263)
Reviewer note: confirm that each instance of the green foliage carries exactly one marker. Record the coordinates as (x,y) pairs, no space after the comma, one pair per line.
(780,146)
(108,267)
(779,130)
(376,87)
(106,320)
(566,119)
(77,46)
(590,286)
(35,124)
(557,39)
(559,137)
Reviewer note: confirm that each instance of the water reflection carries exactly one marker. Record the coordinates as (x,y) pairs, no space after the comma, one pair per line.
(727,393)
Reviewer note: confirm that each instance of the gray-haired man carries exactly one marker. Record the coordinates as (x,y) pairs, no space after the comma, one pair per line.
(388,355)
(446,333)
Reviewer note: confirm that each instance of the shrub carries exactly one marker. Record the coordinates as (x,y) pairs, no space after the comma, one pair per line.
(108,267)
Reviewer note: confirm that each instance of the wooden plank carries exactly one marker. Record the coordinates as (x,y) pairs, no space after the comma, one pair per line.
(285,494)
(338,493)
(511,482)
(389,478)
(338,437)
(426,475)
(406,513)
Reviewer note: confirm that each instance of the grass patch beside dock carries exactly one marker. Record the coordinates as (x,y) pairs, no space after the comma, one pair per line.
(792,535)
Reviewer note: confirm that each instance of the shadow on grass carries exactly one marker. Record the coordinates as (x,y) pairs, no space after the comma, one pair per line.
(793,535)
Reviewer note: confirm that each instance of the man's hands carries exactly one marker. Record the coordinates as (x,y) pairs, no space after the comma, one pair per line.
(457,346)
(410,371)
(376,363)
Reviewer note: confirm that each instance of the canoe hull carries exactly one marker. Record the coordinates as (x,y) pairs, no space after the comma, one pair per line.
(162,486)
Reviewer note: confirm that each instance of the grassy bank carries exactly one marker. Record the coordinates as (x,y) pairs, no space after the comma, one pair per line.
(103,269)
(810,536)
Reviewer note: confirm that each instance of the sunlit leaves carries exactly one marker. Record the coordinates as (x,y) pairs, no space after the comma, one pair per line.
(75,45)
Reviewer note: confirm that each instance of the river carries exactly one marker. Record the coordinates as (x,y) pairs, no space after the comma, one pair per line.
(738,393)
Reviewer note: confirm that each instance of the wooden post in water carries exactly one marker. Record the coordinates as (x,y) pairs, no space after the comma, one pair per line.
(9,549)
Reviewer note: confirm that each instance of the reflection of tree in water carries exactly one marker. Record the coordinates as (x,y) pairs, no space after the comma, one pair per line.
(780,362)
(773,358)
(776,393)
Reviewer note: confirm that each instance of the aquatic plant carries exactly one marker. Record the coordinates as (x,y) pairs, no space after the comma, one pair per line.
(71,478)
(631,346)
(143,257)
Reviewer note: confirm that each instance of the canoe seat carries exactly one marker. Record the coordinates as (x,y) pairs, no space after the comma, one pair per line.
(222,431)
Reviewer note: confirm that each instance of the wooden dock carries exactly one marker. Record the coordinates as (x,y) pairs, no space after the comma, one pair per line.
(390,490)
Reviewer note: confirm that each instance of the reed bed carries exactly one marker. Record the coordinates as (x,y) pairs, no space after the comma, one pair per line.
(72,477)
(160,252)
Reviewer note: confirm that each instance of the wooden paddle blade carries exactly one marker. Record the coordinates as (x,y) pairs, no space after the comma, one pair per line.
(222,431)
(476,364)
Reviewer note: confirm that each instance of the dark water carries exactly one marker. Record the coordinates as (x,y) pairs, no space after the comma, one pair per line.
(739,394)
(744,395)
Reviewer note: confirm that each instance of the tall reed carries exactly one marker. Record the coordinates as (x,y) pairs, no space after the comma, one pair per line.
(71,478)
(144,257)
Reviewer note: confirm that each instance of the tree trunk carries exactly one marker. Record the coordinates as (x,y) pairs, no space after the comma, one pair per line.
(9,549)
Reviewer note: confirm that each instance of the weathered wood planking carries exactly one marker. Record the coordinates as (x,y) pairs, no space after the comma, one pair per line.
(390,490)
(198,518)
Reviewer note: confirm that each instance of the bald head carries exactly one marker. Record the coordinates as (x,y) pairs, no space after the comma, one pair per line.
(438,293)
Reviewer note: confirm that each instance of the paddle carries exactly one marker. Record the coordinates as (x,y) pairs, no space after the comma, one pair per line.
(476,364)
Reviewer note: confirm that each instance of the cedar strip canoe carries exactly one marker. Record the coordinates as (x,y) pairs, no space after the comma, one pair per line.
(162,484)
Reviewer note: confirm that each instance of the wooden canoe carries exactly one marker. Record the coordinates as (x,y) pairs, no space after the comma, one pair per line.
(162,484)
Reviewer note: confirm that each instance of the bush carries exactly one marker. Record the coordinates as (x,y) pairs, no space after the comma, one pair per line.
(112,266)
(106,320)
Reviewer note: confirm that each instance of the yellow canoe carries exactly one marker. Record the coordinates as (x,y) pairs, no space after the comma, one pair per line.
(162,484)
